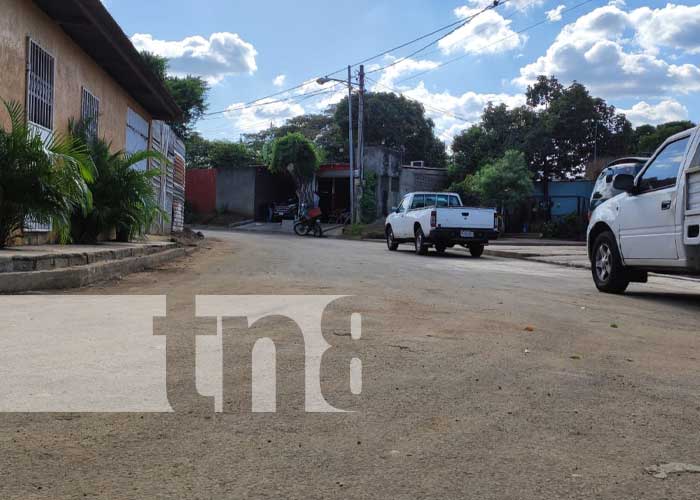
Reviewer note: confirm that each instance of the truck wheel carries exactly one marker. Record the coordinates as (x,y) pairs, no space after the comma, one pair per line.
(476,250)
(608,272)
(390,241)
(440,249)
(421,248)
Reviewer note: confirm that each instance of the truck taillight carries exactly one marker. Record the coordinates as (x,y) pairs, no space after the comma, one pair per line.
(433,218)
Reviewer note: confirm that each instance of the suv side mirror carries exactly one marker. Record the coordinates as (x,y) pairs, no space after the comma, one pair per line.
(624,182)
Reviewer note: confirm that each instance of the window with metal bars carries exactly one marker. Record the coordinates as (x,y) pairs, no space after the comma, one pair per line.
(40,84)
(90,112)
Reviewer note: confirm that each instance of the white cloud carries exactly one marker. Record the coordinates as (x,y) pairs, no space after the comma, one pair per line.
(603,50)
(279,80)
(654,114)
(220,55)
(403,68)
(255,119)
(487,33)
(673,26)
(555,14)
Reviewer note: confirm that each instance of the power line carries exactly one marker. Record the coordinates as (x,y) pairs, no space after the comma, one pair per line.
(458,23)
(496,42)
(300,97)
(463,23)
(427,106)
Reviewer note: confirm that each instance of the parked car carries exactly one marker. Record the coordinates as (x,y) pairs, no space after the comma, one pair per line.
(603,189)
(654,225)
(440,220)
(284,211)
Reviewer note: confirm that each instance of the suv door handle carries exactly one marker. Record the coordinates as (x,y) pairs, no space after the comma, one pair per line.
(666,205)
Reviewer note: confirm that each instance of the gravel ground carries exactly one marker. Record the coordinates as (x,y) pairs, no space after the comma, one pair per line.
(482,378)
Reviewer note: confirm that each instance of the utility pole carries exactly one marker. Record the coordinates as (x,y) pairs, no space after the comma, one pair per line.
(360,130)
(361,124)
(352,147)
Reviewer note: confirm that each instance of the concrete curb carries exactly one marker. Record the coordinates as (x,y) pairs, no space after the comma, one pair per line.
(531,256)
(78,276)
(51,262)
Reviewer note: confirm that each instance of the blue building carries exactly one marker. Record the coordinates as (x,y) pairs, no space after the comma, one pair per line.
(565,197)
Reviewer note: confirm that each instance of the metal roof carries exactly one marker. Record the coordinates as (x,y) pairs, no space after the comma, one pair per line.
(92,28)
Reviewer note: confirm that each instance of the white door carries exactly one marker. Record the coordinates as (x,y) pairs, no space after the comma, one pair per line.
(399,220)
(648,228)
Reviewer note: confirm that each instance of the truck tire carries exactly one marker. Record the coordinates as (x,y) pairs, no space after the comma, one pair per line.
(609,274)
(390,241)
(476,250)
(421,247)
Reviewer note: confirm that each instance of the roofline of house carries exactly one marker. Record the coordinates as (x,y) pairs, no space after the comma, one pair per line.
(93,29)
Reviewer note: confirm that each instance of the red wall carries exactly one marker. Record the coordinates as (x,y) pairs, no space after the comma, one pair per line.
(200,190)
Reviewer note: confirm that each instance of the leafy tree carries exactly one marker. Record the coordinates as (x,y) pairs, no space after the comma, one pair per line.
(296,155)
(505,182)
(190,93)
(230,154)
(315,127)
(43,180)
(197,151)
(649,138)
(396,122)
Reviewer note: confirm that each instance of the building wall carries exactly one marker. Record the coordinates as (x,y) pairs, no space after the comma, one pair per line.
(200,191)
(20,19)
(422,179)
(235,190)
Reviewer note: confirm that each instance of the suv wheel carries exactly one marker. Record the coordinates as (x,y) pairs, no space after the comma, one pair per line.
(606,265)
(390,241)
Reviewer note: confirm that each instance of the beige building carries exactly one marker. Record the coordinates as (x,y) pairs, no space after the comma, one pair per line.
(69,59)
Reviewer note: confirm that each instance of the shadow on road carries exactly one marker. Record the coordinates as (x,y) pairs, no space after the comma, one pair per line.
(670,298)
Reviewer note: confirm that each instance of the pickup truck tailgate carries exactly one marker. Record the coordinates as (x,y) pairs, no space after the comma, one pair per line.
(465,217)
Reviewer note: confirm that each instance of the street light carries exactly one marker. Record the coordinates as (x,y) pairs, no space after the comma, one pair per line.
(322,81)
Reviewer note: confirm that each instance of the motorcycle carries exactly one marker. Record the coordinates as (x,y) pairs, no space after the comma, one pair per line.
(309,222)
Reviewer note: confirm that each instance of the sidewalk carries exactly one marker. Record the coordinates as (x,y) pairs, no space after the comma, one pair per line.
(560,254)
(44,267)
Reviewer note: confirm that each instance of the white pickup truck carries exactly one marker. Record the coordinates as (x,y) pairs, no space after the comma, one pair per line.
(440,220)
(654,224)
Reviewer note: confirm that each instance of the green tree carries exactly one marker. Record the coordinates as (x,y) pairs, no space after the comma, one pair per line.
(230,154)
(296,155)
(190,93)
(44,180)
(504,183)
(648,137)
(396,122)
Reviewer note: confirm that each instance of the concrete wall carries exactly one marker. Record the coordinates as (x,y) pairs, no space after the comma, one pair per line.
(422,179)
(74,70)
(200,191)
(235,190)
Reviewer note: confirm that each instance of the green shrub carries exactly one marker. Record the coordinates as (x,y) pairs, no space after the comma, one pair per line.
(368,201)
(43,179)
(123,198)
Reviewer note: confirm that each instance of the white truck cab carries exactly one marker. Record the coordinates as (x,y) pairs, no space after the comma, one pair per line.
(654,224)
(439,219)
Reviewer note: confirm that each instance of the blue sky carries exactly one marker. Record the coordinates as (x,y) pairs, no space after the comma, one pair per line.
(642,56)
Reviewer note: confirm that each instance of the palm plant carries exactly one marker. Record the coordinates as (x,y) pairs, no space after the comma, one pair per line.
(45,179)
(123,197)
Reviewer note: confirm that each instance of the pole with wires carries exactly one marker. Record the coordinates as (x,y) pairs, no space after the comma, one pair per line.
(361,127)
(352,147)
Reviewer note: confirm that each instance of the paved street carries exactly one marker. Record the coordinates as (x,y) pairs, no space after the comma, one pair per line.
(483,378)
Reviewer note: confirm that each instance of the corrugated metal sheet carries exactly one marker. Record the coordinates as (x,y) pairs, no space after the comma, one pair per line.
(170,185)
(136,136)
